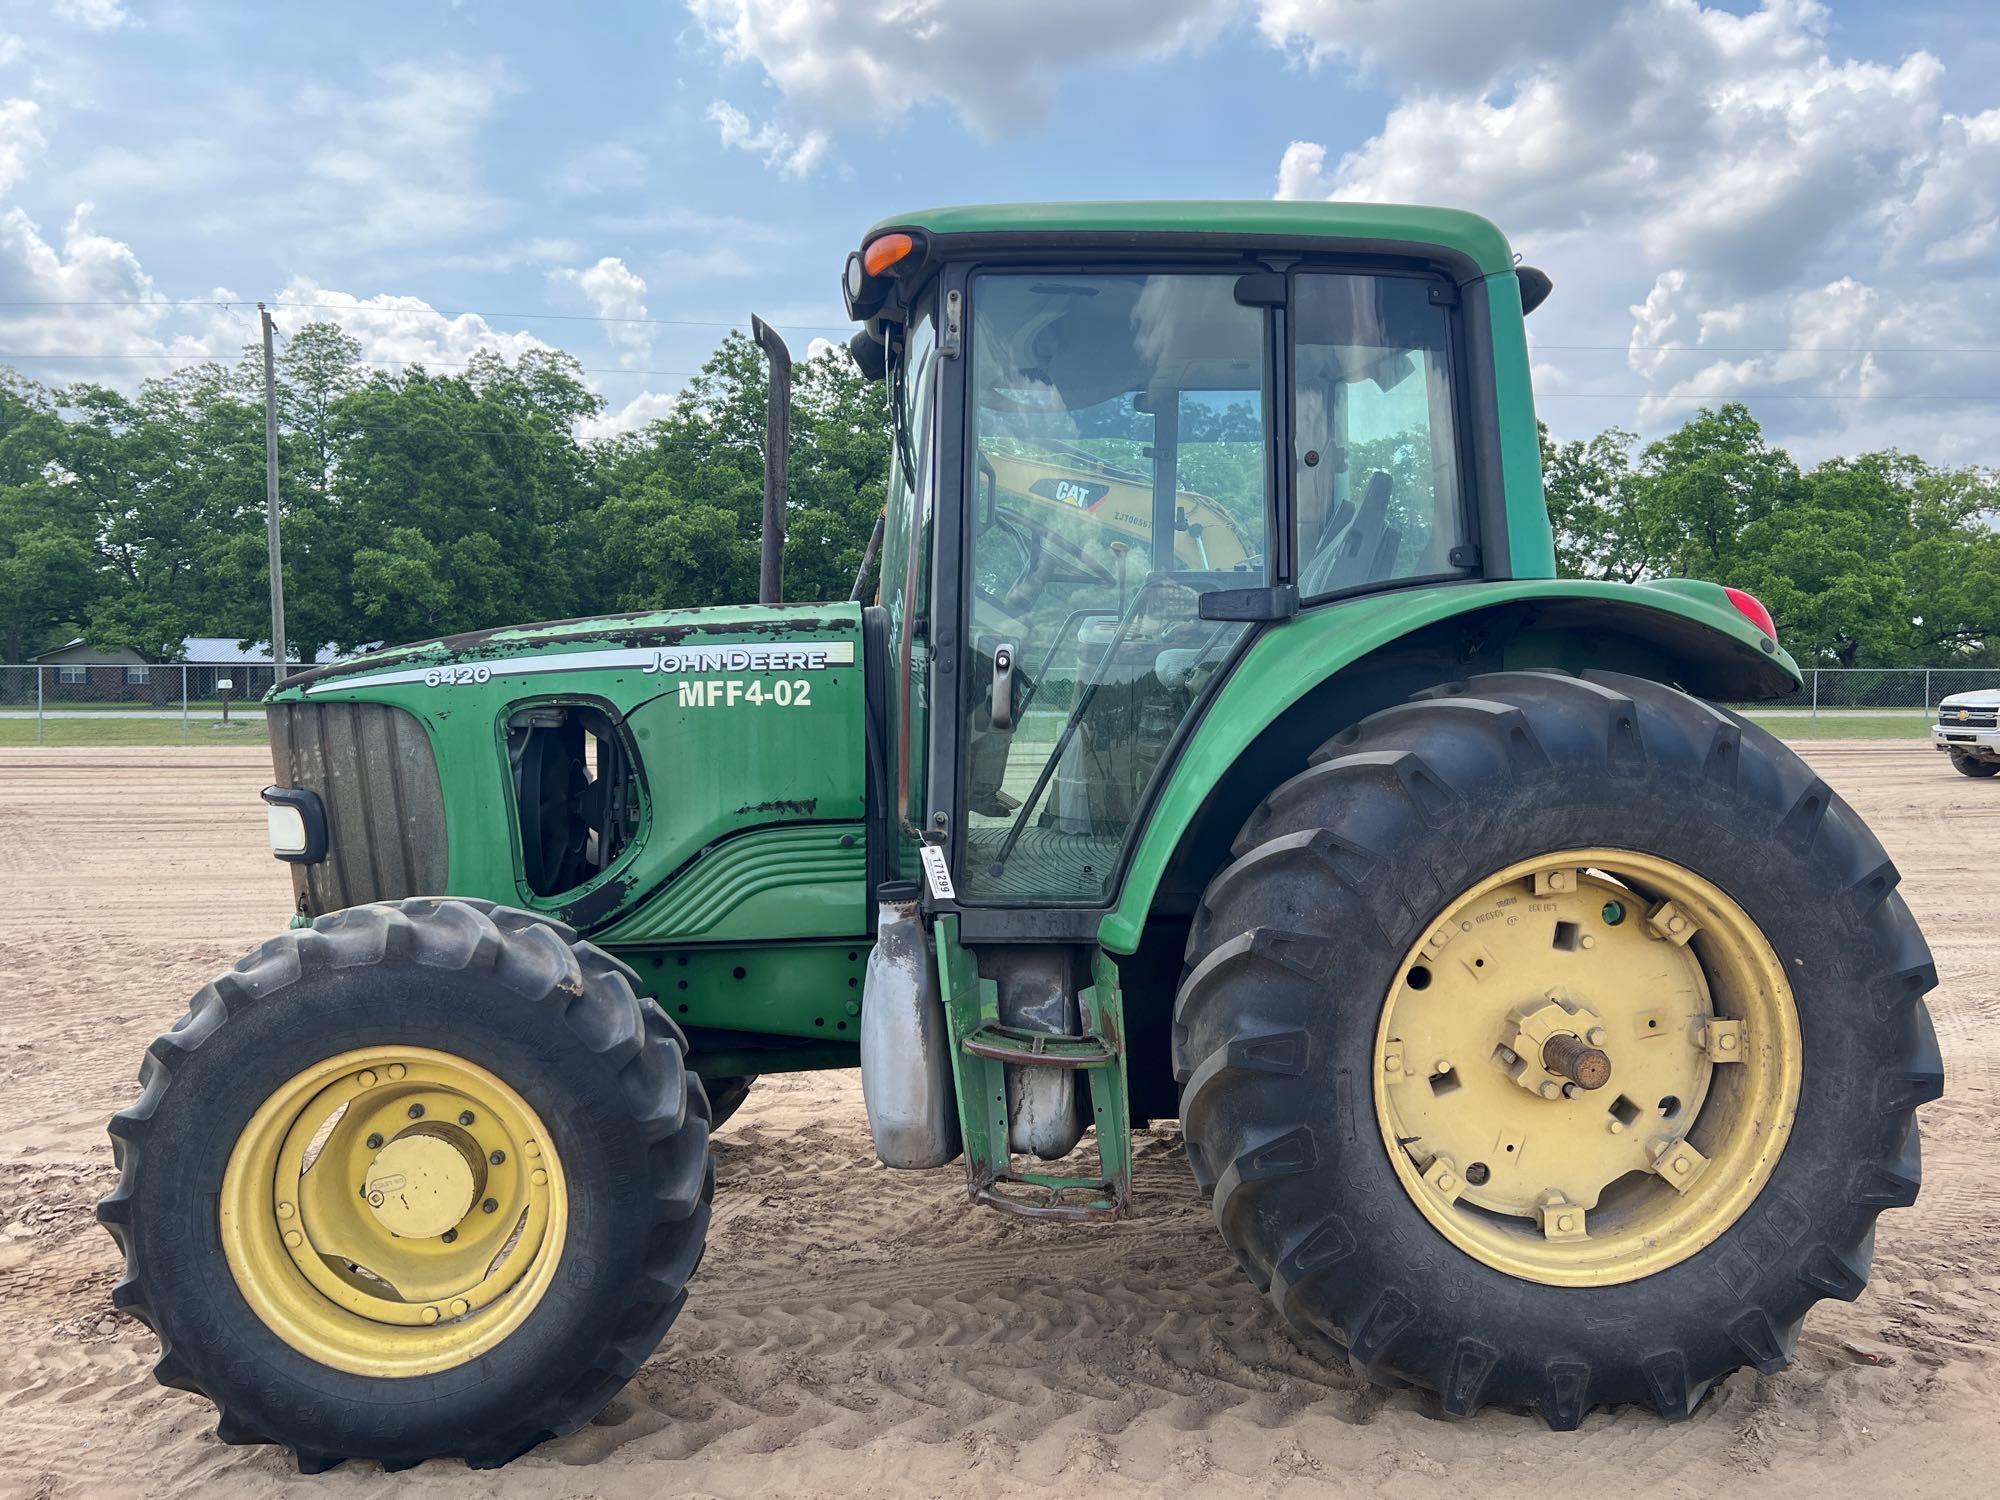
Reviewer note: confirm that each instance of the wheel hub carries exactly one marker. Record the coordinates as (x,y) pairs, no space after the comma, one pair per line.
(1569,1049)
(393,1211)
(422,1184)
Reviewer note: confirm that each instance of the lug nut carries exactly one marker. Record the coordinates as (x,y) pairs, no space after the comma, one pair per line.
(465,1117)
(366,1078)
(1552,1090)
(497,1157)
(416,1111)
(491,1205)
(449,1235)
(1597,1036)
(374,1142)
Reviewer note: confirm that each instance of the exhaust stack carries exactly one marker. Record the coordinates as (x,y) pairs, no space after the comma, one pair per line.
(777,462)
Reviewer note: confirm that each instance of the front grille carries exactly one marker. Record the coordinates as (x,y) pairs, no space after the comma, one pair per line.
(373,768)
(1974,718)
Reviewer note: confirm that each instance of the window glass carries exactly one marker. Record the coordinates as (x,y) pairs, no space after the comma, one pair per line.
(1376,460)
(1121,445)
(906,562)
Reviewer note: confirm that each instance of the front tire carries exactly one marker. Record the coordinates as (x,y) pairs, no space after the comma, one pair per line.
(1369,1237)
(487,1092)
(1969,765)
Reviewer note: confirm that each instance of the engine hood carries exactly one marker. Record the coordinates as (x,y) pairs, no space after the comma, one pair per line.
(750,637)
(1976,698)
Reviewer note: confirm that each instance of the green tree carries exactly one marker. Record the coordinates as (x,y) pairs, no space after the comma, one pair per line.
(48,571)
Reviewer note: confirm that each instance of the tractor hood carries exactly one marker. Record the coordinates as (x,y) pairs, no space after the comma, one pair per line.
(722,638)
(673,776)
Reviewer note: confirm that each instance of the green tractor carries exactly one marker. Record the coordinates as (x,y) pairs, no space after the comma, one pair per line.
(1219,746)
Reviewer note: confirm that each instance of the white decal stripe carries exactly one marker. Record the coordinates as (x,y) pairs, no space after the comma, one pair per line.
(735,656)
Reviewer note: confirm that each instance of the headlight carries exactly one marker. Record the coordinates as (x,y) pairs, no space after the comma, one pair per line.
(296,819)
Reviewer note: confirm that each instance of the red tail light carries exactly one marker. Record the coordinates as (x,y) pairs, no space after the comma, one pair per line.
(1752,609)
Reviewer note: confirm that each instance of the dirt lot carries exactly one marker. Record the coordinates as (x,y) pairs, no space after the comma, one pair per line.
(856,1331)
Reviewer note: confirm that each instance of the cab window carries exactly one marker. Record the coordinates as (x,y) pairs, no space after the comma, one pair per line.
(1375,467)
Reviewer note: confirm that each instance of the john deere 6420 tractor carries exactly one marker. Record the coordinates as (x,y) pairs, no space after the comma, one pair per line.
(1218,746)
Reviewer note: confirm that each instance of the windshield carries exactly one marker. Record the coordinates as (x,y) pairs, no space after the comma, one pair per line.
(1121,441)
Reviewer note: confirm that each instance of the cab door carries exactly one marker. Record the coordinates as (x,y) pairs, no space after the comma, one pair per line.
(1118,427)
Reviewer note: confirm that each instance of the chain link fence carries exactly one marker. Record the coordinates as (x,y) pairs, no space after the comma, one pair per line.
(1871,701)
(190,695)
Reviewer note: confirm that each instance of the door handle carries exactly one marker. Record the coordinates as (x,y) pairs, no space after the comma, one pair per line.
(1003,685)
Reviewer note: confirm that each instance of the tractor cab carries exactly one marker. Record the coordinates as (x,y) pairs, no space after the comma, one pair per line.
(1118,451)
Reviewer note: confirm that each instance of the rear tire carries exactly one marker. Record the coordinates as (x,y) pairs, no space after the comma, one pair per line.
(554,1025)
(1967,765)
(1301,940)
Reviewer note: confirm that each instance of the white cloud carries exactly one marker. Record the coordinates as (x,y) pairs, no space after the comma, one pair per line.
(792,158)
(865,62)
(606,167)
(645,408)
(42,281)
(615,290)
(98,15)
(10,48)
(1705,180)
(399,165)
(20,134)
(395,331)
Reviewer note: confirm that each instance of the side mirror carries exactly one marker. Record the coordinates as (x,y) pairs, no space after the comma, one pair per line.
(870,354)
(1535,287)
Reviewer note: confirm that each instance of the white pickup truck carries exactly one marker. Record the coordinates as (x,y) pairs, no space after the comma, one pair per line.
(1968,729)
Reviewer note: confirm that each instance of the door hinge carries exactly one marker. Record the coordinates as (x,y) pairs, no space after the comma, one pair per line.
(1464,555)
(953,339)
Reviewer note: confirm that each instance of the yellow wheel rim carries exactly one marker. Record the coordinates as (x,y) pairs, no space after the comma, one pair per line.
(394,1211)
(1588,1067)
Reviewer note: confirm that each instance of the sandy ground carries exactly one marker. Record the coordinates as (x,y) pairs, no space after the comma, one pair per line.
(856,1331)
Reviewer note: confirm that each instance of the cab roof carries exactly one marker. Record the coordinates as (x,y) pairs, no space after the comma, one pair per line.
(1462,236)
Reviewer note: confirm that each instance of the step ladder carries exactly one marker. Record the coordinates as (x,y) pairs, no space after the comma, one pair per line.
(982,1051)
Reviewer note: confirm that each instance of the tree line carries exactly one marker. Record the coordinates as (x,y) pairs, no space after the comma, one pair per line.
(419,503)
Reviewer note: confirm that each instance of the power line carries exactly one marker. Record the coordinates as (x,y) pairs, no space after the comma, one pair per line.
(550,317)
(418,312)
(429,364)
(1744,396)
(1769,348)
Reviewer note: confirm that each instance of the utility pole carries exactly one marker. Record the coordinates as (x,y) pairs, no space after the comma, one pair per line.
(271,505)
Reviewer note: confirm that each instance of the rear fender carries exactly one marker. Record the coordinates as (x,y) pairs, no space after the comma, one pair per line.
(1303,681)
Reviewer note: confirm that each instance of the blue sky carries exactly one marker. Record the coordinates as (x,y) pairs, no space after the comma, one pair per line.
(1770,201)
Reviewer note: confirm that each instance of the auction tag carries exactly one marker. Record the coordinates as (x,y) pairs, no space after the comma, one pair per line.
(937,872)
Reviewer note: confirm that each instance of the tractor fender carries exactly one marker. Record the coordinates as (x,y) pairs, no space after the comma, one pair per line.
(1333,664)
